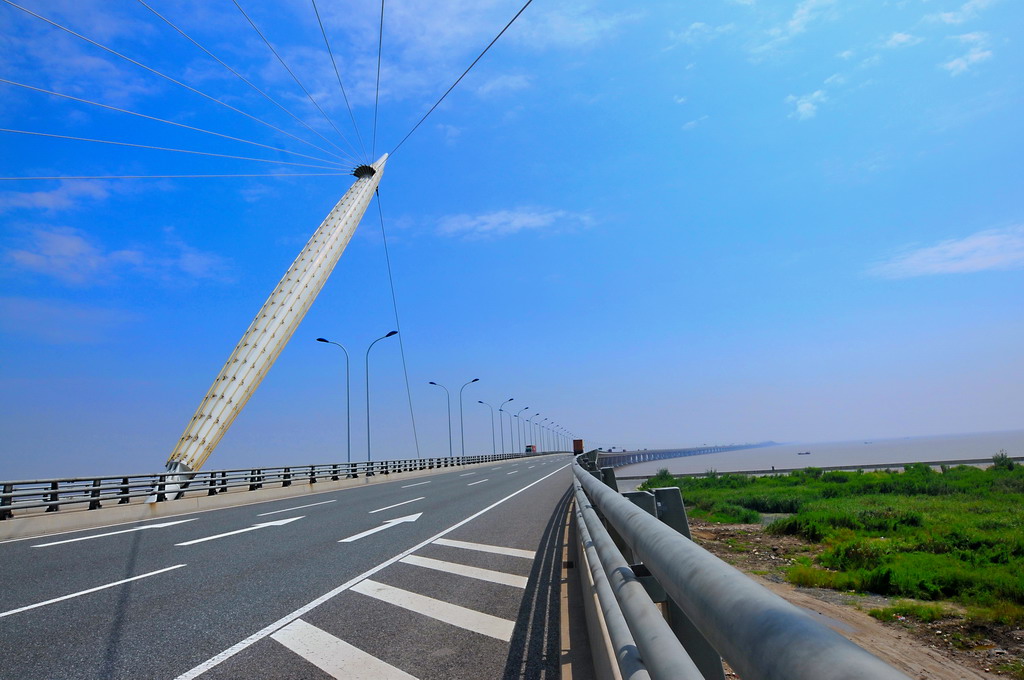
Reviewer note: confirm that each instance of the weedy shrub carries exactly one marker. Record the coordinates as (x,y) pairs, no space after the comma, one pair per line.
(926,613)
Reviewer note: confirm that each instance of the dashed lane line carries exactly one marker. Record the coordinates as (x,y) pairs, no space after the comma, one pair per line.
(333,656)
(465,570)
(475,483)
(409,486)
(397,504)
(482,547)
(297,507)
(453,614)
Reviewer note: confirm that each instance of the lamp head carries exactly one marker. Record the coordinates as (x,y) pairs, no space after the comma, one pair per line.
(475,380)
(432,383)
(322,340)
(391,333)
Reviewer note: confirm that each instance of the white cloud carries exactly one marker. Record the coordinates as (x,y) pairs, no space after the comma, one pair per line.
(977,53)
(72,257)
(699,33)
(58,322)
(967,11)
(806,106)
(806,13)
(502,84)
(992,249)
(903,40)
(689,125)
(846,54)
(508,222)
(678,99)
(70,194)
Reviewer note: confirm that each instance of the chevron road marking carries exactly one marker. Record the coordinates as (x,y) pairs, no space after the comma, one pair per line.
(466,570)
(387,525)
(335,657)
(453,614)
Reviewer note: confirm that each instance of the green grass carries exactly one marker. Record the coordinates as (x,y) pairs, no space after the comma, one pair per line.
(955,534)
(926,613)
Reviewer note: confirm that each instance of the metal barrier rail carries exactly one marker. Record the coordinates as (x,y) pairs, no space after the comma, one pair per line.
(762,636)
(53,493)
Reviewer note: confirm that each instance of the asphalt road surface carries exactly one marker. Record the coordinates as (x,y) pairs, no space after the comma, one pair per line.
(450,576)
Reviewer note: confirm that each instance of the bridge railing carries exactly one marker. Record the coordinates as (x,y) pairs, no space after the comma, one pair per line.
(613,459)
(714,610)
(92,492)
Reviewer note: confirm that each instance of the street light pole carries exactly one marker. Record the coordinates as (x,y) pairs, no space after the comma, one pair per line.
(501,423)
(348,401)
(529,430)
(448,397)
(368,393)
(519,428)
(462,423)
(494,449)
(540,433)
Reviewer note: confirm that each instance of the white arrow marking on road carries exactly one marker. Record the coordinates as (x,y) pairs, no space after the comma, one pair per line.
(387,525)
(114,533)
(254,527)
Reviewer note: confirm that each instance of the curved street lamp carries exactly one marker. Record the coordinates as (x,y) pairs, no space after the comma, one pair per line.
(388,335)
(501,423)
(348,401)
(494,449)
(462,422)
(519,428)
(448,397)
(529,431)
(540,433)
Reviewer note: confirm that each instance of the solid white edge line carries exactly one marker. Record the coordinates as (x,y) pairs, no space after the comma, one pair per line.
(439,610)
(409,486)
(333,655)
(288,618)
(90,590)
(480,482)
(489,575)
(396,505)
(297,507)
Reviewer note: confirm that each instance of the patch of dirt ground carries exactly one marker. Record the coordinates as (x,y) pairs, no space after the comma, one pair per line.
(949,649)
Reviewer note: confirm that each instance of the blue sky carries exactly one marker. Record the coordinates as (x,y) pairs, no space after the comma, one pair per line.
(657,225)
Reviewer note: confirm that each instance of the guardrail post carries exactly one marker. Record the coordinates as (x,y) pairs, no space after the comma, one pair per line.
(124,492)
(52,497)
(94,496)
(608,477)
(287,477)
(211,484)
(334,473)
(161,485)
(252,480)
(312,474)
(672,510)
(668,505)
(5,513)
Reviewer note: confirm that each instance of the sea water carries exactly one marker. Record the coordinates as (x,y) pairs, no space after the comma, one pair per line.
(826,454)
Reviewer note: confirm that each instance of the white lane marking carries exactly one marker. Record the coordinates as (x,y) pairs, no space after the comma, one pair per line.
(480,482)
(90,590)
(470,619)
(512,473)
(115,533)
(387,525)
(467,474)
(466,570)
(254,527)
(335,657)
(531,467)
(396,505)
(496,468)
(409,486)
(297,507)
(481,547)
(220,658)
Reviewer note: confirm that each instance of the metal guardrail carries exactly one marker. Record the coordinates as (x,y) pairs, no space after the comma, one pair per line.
(120,489)
(762,636)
